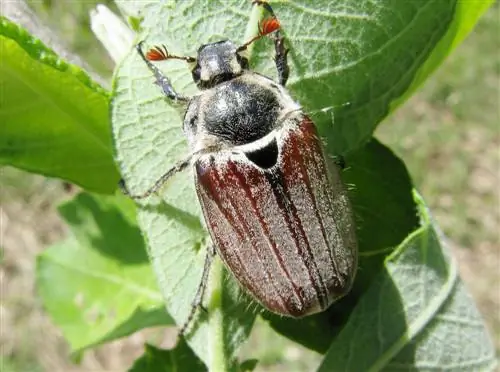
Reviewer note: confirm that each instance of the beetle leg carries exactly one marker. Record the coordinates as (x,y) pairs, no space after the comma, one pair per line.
(161,80)
(280,58)
(279,46)
(198,298)
(179,167)
(339,160)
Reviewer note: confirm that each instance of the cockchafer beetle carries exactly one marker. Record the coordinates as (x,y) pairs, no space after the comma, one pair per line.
(274,204)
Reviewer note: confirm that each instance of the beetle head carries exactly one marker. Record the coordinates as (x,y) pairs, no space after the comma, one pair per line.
(216,63)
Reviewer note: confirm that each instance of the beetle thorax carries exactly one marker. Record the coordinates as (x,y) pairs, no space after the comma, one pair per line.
(236,112)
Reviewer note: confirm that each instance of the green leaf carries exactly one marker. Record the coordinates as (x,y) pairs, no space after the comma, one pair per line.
(466,15)
(349,61)
(98,285)
(248,365)
(415,316)
(157,360)
(353,58)
(380,192)
(54,118)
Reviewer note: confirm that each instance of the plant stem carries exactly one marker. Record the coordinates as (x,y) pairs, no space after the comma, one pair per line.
(219,360)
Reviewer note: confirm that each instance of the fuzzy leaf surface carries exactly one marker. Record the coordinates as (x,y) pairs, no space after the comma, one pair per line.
(349,61)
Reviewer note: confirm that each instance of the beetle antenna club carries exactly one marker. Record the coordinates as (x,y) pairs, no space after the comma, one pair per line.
(274,205)
(160,53)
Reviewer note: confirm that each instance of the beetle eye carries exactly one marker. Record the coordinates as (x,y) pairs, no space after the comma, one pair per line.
(242,61)
(196,73)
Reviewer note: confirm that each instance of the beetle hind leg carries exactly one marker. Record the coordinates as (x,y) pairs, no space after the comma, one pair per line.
(200,292)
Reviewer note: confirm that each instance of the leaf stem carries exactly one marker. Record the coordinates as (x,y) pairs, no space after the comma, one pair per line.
(219,360)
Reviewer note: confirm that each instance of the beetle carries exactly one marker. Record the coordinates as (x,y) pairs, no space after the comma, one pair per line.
(273,202)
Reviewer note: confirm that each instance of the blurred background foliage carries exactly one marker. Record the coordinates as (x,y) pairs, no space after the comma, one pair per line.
(448,135)
(70,19)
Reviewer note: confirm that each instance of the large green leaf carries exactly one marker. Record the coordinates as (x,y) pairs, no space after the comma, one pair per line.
(98,285)
(415,316)
(349,61)
(54,119)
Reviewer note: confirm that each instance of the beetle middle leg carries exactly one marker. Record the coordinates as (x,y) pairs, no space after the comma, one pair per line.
(179,167)
(198,298)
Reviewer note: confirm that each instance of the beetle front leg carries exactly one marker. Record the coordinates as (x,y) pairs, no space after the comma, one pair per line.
(280,58)
(198,298)
(281,52)
(161,80)
(179,167)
